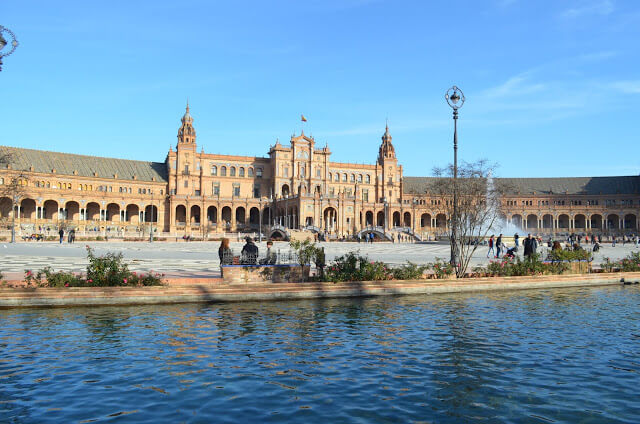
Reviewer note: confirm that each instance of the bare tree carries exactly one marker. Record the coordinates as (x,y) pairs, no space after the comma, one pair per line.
(16,190)
(479,206)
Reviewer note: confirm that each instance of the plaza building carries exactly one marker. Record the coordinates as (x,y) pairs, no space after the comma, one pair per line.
(294,188)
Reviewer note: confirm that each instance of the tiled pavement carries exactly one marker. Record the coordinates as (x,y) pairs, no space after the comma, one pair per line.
(200,259)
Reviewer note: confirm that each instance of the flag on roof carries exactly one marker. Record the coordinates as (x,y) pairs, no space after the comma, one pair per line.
(302,118)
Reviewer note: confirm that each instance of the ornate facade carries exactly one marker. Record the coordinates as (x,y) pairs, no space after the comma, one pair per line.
(295,187)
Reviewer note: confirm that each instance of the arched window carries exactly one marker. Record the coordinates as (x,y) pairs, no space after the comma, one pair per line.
(330,176)
(214,170)
(353,178)
(250,172)
(344,177)
(232,172)
(368,179)
(336,177)
(359,178)
(242,172)
(223,171)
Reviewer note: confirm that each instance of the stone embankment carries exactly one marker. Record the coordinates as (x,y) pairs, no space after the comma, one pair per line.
(187,290)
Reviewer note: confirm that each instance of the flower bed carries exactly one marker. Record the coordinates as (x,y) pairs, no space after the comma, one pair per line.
(107,270)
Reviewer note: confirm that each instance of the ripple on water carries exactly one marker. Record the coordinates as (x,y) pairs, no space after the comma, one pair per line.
(560,356)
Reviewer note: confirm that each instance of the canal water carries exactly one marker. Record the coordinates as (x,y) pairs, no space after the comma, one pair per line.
(539,356)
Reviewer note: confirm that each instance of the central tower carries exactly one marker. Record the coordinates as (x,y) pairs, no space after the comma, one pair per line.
(390,174)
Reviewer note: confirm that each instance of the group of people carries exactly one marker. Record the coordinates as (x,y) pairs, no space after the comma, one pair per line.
(497,248)
(71,235)
(248,255)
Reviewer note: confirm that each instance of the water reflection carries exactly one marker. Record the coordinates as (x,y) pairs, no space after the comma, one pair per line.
(563,356)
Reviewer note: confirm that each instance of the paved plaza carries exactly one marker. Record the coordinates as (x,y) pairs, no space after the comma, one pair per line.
(200,259)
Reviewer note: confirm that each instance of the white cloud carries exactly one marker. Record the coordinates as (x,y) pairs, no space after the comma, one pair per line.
(515,86)
(627,87)
(597,56)
(600,7)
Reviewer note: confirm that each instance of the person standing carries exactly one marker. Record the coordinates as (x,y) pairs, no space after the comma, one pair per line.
(61,233)
(528,246)
(516,240)
(499,246)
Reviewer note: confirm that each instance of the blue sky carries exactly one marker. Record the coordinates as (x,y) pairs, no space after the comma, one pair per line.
(552,87)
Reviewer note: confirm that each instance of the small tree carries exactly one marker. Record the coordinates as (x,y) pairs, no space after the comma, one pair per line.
(478,206)
(15,190)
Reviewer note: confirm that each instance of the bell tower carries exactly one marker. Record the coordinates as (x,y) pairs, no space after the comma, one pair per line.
(186,159)
(388,170)
(186,133)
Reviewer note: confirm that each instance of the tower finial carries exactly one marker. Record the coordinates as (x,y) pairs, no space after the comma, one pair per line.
(187,105)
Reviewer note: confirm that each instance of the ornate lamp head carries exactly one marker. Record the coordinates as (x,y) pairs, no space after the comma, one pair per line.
(455,97)
(13,43)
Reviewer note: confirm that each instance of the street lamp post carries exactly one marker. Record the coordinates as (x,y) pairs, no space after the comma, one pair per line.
(260,223)
(386,207)
(151,221)
(455,99)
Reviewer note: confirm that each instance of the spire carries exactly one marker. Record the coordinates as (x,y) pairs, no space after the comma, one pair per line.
(386,148)
(187,116)
(186,133)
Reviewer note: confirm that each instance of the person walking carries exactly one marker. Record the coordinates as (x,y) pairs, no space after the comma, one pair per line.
(491,251)
(499,246)
(61,233)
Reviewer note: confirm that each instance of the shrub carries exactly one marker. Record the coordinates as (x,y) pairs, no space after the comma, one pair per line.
(569,255)
(353,267)
(531,265)
(628,264)
(409,271)
(107,270)
(441,268)
(142,279)
(49,278)
(305,251)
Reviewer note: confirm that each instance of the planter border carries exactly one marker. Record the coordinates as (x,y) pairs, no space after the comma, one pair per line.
(212,290)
